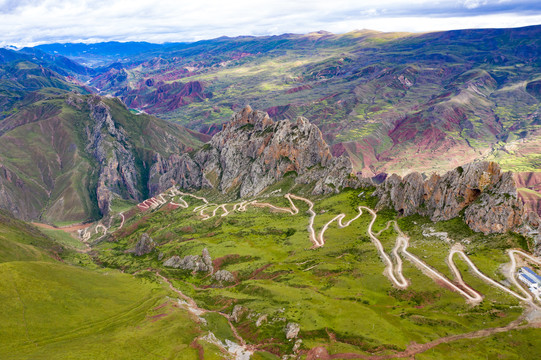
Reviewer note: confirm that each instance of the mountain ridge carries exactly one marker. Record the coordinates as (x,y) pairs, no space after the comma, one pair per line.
(388,100)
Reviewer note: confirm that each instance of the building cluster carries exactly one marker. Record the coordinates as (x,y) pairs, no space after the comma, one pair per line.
(531,279)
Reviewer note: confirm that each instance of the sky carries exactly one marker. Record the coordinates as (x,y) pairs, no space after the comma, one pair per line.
(32,22)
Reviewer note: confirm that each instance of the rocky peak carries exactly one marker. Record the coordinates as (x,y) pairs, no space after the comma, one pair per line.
(252,152)
(488,196)
(259,119)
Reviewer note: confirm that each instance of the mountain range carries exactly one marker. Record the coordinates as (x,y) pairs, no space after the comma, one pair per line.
(320,196)
(391,102)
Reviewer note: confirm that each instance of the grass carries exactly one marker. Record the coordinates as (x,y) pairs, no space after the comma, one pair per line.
(20,241)
(59,311)
(328,290)
(65,239)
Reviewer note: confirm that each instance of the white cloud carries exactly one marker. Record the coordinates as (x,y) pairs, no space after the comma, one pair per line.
(27,22)
(474,4)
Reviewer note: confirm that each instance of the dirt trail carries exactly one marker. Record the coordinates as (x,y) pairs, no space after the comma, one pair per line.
(393,263)
(393,267)
(414,348)
(193,308)
(68,229)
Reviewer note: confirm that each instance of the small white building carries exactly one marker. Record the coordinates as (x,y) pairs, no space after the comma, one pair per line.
(531,279)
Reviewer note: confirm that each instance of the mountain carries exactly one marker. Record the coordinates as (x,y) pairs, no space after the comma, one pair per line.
(101,54)
(67,156)
(251,153)
(393,102)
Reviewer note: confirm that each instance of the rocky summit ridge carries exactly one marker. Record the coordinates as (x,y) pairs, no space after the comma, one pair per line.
(252,152)
(485,196)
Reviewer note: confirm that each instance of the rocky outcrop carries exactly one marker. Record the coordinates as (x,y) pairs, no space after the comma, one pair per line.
(194,263)
(145,245)
(292,330)
(107,142)
(529,190)
(496,210)
(223,276)
(238,312)
(252,152)
(488,196)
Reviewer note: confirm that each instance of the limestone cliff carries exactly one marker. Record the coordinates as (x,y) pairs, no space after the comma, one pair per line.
(486,194)
(252,152)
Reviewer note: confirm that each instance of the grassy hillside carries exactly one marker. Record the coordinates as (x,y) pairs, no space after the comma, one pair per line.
(54,310)
(57,311)
(338,293)
(20,241)
(49,167)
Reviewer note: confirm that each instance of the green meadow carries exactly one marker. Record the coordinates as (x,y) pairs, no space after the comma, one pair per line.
(338,293)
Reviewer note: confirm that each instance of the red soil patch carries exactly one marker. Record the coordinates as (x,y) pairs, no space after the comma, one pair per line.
(161,306)
(200,351)
(318,353)
(298,88)
(69,228)
(217,263)
(255,274)
(157,317)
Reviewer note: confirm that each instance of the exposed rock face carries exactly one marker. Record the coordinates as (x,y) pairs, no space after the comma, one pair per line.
(145,245)
(238,312)
(223,276)
(252,152)
(529,190)
(292,330)
(497,210)
(109,146)
(192,262)
(488,195)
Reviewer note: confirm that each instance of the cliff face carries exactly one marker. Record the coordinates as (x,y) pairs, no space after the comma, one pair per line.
(488,196)
(252,152)
(67,157)
(113,154)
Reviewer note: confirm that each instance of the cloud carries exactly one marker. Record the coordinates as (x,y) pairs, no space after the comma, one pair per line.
(29,22)
(474,4)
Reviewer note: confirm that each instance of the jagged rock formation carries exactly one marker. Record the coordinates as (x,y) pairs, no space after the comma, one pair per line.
(194,263)
(223,276)
(113,153)
(488,196)
(145,245)
(252,152)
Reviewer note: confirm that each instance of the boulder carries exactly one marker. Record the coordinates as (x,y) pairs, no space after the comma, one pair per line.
(145,245)
(194,263)
(223,276)
(292,330)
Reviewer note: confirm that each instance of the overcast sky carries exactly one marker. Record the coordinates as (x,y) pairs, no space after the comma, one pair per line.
(31,22)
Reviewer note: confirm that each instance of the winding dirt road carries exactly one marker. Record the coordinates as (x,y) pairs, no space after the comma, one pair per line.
(393,267)
(393,262)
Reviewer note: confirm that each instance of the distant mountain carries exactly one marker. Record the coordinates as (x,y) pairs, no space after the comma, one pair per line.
(67,156)
(393,102)
(101,54)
